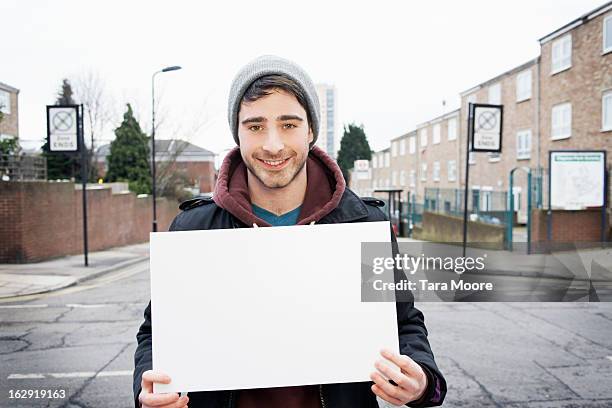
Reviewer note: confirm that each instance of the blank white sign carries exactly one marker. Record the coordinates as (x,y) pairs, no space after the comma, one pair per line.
(265,307)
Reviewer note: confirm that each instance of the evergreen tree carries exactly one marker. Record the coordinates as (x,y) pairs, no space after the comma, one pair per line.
(62,165)
(353,146)
(129,155)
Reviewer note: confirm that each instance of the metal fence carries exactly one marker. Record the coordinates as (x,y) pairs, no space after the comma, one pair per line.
(22,167)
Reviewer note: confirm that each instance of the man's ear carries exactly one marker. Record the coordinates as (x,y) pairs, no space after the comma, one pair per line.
(310,137)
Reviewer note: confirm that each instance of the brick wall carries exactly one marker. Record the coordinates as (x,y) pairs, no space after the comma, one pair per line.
(569,226)
(40,220)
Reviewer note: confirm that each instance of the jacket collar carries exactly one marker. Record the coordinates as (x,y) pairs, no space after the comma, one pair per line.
(324,193)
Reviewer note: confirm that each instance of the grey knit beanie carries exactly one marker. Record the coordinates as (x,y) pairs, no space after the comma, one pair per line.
(271,65)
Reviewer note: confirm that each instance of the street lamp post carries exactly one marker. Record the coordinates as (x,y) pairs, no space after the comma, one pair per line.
(167,69)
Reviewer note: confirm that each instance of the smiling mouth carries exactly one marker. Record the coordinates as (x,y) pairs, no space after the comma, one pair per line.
(274,164)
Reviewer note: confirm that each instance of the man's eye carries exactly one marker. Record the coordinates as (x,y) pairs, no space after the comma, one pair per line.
(289,126)
(255,128)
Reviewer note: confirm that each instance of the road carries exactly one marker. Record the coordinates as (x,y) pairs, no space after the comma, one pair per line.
(82,340)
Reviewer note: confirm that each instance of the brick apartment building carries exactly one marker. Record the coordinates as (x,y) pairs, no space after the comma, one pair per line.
(197,162)
(560,100)
(9,106)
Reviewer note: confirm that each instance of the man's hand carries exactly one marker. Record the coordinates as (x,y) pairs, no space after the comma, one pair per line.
(167,400)
(411,381)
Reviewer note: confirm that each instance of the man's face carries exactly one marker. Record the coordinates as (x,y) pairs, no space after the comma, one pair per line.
(274,138)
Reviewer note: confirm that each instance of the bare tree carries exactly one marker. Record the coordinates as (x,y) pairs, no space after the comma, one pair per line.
(90,90)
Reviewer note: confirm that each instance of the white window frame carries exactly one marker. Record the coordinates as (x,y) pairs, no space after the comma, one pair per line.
(412,178)
(402,147)
(451,135)
(402,179)
(451,170)
(394,149)
(412,145)
(394,178)
(387,159)
(606,20)
(423,137)
(523,85)
(5,102)
(567,128)
(423,171)
(495,94)
(523,137)
(436,133)
(564,61)
(606,120)
(436,171)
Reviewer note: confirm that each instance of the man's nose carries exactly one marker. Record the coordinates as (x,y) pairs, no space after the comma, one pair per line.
(273,143)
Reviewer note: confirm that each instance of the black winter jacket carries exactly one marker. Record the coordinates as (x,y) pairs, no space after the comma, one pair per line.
(205,214)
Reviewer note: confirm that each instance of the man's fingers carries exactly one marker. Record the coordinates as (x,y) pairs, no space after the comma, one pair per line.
(398,377)
(379,391)
(181,403)
(404,362)
(389,389)
(158,400)
(156,377)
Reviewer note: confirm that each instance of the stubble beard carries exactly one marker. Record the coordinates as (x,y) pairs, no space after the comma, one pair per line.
(273,179)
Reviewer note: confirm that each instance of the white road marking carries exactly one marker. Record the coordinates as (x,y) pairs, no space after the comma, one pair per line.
(21,306)
(84,306)
(78,374)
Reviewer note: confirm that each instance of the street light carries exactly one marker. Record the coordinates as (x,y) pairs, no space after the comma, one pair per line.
(167,69)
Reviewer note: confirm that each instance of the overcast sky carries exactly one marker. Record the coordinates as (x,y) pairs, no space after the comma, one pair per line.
(392,62)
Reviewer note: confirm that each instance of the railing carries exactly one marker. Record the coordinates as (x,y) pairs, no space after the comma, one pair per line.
(22,167)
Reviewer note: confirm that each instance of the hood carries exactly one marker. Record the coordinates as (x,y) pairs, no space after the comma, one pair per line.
(323,191)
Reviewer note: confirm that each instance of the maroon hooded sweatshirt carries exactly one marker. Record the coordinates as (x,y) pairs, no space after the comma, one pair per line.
(324,190)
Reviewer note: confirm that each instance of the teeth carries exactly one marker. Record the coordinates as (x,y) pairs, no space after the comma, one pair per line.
(273,163)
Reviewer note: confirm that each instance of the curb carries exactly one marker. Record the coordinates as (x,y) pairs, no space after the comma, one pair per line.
(76,281)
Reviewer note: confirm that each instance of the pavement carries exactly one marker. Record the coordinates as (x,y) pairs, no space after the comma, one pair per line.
(47,276)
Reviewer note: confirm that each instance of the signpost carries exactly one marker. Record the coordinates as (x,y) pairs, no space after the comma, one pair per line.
(577,181)
(485,124)
(65,135)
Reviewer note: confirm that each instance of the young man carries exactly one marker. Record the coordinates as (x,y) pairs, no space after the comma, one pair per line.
(276,176)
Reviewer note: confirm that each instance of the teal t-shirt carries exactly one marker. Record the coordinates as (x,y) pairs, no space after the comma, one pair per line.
(289,218)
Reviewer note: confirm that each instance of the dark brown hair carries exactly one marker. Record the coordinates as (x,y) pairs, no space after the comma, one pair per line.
(265,85)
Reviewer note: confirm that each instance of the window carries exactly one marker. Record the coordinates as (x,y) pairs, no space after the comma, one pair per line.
(5,102)
(523,144)
(387,159)
(423,137)
(394,149)
(495,94)
(523,85)
(412,178)
(402,178)
(606,110)
(561,58)
(424,172)
(436,171)
(452,129)
(452,170)
(374,162)
(607,34)
(561,121)
(436,133)
(412,144)
(402,147)
(394,178)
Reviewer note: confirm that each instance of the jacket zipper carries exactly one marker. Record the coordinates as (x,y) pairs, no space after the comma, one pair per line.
(229,404)
(321,396)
